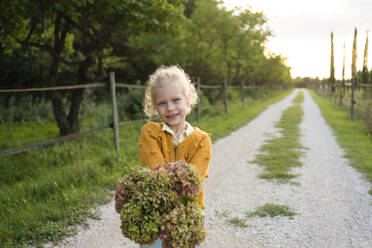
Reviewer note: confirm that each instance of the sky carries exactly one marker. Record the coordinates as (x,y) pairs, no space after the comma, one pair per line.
(301,32)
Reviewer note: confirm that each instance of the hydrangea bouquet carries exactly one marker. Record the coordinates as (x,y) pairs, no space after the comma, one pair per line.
(161,203)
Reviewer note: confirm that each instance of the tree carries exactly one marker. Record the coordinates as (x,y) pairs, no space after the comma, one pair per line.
(81,40)
(343,65)
(224,44)
(189,7)
(273,70)
(213,43)
(365,63)
(74,34)
(332,73)
(354,56)
(248,45)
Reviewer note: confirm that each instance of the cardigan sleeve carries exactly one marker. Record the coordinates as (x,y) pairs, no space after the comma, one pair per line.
(150,152)
(202,156)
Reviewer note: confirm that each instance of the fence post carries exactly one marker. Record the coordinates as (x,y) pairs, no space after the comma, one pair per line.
(225,95)
(243,92)
(328,91)
(115,125)
(198,106)
(352,98)
(334,93)
(341,90)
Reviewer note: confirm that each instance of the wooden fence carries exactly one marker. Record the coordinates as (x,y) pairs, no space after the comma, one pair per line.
(115,122)
(338,92)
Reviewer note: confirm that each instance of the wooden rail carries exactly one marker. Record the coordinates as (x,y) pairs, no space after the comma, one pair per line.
(115,123)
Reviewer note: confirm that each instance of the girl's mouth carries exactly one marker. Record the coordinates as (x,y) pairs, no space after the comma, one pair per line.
(171,117)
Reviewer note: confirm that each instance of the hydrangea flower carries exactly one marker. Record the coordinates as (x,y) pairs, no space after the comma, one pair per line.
(161,203)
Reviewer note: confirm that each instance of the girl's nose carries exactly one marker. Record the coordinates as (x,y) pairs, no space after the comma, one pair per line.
(170,106)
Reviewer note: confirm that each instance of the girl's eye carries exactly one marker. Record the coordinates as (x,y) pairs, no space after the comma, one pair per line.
(161,103)
(177,99)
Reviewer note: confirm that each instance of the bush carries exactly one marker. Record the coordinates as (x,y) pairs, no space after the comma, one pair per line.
(26,108)
(130,105)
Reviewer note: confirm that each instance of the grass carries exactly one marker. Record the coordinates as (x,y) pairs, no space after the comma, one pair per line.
(362,108)
(268,209)
(237,222)
(271,210)
(225,213)
(299,98)
(351,135)
(282,153)
(45,192)
(24,134)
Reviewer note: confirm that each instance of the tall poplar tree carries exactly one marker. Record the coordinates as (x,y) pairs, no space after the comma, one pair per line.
(354,56)
(365,63)
(332,76)
(343,65)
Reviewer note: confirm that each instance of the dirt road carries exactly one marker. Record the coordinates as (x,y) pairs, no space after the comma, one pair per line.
(331,199)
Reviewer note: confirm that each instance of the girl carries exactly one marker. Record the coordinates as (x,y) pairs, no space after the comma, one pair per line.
(170,96)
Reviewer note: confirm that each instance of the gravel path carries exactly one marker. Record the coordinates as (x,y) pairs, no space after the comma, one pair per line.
(331,201)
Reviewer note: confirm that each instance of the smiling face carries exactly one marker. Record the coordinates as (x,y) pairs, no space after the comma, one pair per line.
(171,105)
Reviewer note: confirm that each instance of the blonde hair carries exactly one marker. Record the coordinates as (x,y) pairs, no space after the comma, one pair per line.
(169,74)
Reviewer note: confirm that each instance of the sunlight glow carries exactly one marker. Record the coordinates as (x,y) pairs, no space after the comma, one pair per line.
(302,32)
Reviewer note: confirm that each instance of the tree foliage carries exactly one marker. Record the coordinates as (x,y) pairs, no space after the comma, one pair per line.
(332,71)
(50,43)
(72,35)
(365,63)
(354,56)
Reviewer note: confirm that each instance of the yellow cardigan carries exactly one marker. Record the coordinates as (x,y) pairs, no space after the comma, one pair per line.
(157,148)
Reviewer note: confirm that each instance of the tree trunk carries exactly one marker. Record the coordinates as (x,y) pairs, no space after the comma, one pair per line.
(68,123)
(85,76)
(74,115)
(57,99)
(59,113)
(61,27)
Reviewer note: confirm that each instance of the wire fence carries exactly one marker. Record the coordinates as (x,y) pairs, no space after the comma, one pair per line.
(113,85)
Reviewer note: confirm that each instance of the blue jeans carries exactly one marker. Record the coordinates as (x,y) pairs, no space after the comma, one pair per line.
(157,244)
